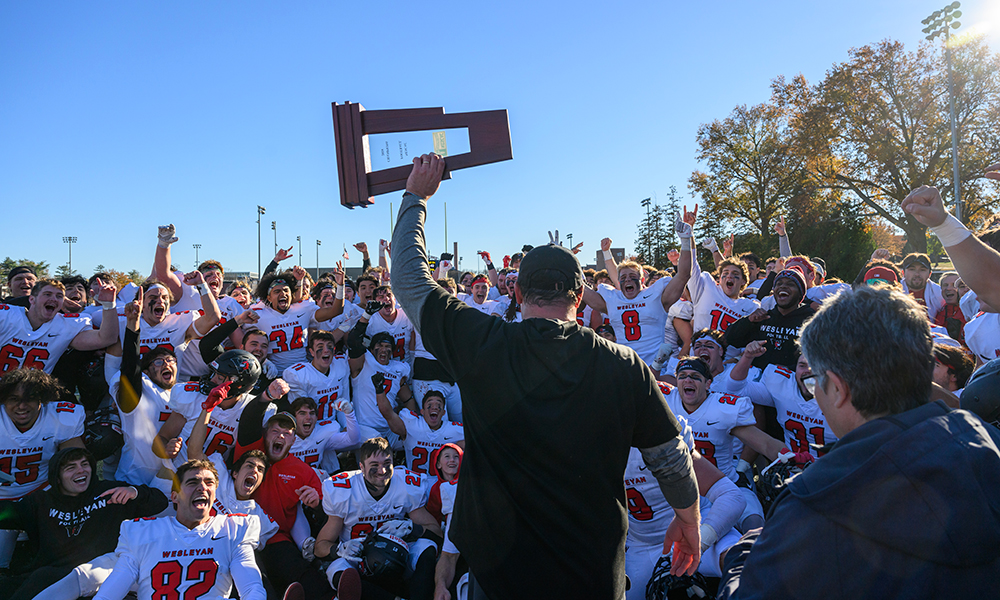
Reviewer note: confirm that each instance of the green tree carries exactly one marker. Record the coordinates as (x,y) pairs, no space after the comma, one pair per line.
(64,271)
(41,268)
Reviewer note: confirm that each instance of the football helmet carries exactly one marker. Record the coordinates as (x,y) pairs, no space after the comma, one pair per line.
(774,479)
(102,432)
(981,394)
(664,586)
(239,365)
(383,556)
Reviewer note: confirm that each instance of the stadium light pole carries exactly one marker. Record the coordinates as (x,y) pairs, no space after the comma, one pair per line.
(940,22)
(70,240)
(260,210)
(196,248)
(274,228)
(298,239)
(318,244)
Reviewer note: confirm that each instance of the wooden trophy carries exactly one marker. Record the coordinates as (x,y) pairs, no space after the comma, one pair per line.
(488,134)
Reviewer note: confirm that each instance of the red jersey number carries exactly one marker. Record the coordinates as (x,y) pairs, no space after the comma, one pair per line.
(707,450)
(25,467)
(637,505)
(630,319)
(12,357)
(166,578)
(721,320)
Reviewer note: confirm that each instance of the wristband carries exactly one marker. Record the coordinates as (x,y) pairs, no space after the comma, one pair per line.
(607,255)
(708,536)
(134,489)
(110,304)
(202,289)
(490,267)
(951,232)
(687,244)
(340,291)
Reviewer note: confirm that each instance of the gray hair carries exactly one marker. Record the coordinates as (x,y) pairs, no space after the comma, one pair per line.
(879,341)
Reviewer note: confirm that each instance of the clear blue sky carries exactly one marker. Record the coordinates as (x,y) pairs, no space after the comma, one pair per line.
(116,117)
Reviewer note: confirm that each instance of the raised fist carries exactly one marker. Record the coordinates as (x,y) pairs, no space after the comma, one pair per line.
(166,236)
(378,380)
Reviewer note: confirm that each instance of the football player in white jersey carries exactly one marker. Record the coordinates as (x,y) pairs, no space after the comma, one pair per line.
(393,321)
(286,323)
(421,433)
(787,391)
(717,303)
(234,494)
(365,364)
(982,333)
(140,385)
(428,374)
(317,442)
(36,337)
(161,327)
(324,379)
(717,420)
(638,314)
(193,555)
(649,515)
(226,389)
(477,299)
(361,502)
(33,426)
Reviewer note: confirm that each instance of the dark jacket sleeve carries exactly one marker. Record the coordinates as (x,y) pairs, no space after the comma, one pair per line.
(765,288)
(742,332)
(130,368)
(211,345)
(149,502)
(250,429)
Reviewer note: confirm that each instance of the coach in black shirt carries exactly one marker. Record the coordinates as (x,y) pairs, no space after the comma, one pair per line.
(550,411)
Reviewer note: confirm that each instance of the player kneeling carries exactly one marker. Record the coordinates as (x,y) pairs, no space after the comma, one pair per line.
(649,515)
(192,555)
(371,512)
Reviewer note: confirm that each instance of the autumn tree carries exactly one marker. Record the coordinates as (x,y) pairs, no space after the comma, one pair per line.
(753,167)
(877,127)
(41,267)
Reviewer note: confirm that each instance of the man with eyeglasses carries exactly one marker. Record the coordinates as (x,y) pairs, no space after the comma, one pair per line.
(140,385)
(638,313)
(717,421)
(904,505)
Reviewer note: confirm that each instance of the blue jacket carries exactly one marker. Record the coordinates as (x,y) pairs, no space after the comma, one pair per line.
(906,506)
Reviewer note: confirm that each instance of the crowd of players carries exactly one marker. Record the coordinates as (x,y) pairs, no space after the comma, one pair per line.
(297,433)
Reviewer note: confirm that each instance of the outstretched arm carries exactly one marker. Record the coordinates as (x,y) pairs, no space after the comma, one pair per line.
(977,263)
(784,248)
(108,333)
(684,227)
(609,261)
(161,261)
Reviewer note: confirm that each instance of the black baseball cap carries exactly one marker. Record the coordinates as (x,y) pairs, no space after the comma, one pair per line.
(550,267)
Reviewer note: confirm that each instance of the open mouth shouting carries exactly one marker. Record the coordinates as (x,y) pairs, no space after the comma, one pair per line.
(249,484)
(201,501)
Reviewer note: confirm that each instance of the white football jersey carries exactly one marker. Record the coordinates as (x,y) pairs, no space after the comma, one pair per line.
(500,310)
(345,495)
(802,420)
(287,331)
(682,309)
(712,308)
(649,514)
(186,400)
(982,336)
(401,329)
(138,465)
(639,323)
(304,379)
(711,424)
(486,307)
(365,404)
(227,503)
(190,364)
(26,455)
(348,319)
(169,332)
(421,440)
(319,450)
(39,348)
(168,560)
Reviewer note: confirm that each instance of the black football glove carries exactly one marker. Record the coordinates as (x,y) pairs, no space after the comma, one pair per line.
(373,307)
(378,380)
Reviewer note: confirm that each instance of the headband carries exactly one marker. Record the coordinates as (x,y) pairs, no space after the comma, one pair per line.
(480,279)
(159,285)
(694,364)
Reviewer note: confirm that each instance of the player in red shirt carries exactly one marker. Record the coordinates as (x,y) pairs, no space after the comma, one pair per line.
(288,482)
